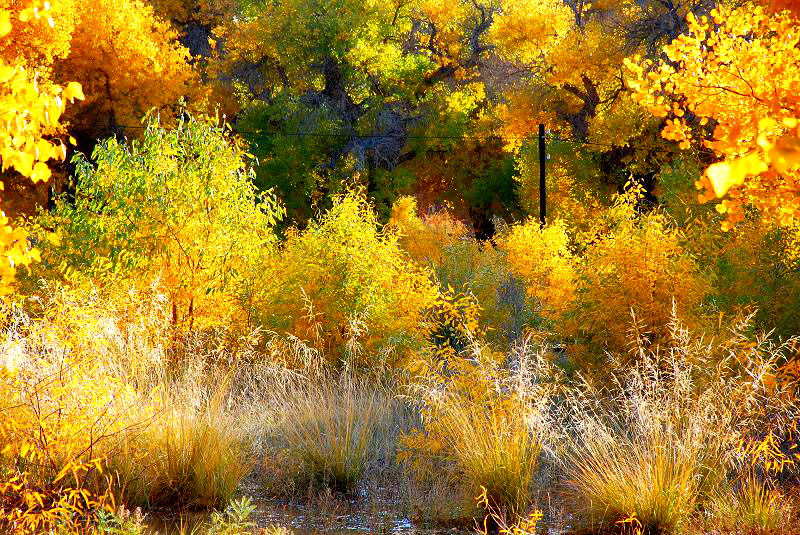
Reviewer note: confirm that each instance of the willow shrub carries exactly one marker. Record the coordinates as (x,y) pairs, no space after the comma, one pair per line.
(345,287)
(179,206)
(460,261)
(629,272)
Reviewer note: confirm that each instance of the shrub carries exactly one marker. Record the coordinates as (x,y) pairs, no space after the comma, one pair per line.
(459,260)
(626,274)
(755,270)
(328,433)
(91,403)
(60,409)
(543,259)
(177,206)
(345,287)
(635,266)
(426,239)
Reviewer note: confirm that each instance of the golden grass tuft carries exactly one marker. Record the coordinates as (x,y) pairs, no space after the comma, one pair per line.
(187,457)
(750,506)
(659,438)
(492,448)
(328,433)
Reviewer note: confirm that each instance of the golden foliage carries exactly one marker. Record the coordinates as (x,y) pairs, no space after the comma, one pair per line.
(344,285)
(178,207)
(733,71)
(129,61)
(207,12)
(54,430)
(629,272)
(542,258)
(526,30)
(425,239)
(30,114)
(636,271)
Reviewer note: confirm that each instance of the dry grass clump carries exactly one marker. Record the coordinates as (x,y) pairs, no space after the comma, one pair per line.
(484,425)
(186,457)
(659,440)
(193,451)
(493,448)
(327,433)
(100,379)
(750,506)
(656,474)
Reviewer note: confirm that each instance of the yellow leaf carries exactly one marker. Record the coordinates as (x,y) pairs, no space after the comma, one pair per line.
(6,73)
(74,90)
(40,172)
(5,23)
(785,154)
(23,162)
(721,177)
(43,150)
(725,175)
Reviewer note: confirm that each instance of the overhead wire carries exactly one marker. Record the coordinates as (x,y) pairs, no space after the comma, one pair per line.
(350,135)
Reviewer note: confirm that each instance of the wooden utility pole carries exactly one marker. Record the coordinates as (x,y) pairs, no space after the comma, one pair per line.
(542,183)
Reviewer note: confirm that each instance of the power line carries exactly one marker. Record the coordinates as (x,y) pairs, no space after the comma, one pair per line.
(349,135)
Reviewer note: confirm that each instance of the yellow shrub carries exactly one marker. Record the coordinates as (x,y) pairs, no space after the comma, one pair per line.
(344,285)
(635,266)
(542,258)
(458,260)
(628,272)
(81,418)
(178,206)
(60,409)
(426,239)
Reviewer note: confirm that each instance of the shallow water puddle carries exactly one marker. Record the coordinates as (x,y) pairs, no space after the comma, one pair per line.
(306,520)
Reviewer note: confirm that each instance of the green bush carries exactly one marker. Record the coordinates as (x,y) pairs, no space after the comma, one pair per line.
(177,206)
(344,286)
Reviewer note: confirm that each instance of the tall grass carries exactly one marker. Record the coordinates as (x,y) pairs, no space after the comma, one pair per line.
(118,395)
(750,506)
(659,439)
(192,451)
(484,424)
(186,457)
(328,433)
(656,475)
(494,449)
